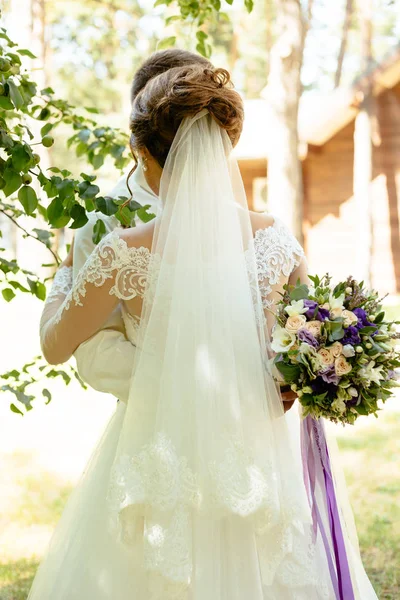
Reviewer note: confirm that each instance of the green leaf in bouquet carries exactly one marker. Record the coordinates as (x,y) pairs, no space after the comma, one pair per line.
(366,330)
(307,400)
(335,330)
(291,373)
(361,409)
(315,279)
(299,292)
(379,317)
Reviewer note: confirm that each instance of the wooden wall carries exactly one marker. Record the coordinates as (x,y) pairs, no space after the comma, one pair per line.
(331,229)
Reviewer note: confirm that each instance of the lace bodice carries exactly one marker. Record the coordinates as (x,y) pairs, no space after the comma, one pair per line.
(124,274)
(276,251)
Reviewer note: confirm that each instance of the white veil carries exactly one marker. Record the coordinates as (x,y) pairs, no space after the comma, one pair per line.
(204,451)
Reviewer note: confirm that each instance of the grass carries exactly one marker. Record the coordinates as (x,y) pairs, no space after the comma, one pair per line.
(371,457)
(372,465)
(16,579)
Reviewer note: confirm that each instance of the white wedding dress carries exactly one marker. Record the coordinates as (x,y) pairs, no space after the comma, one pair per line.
(182,500)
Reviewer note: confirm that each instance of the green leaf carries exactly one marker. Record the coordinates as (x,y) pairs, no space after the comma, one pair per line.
(166,42)
(66,188)
(366,330)
(40,291)
(15,409)
(6,103)
(21,157)
(249,4)
(27,197)
(15,95)
(90,109)
(97,160)
(379,317)
(106,205)
(299,292)
(84,135)
(8,294)
(47,395)
(25,52)
(145,216)
(99,231)
(201,36)
(90,192)
(13,181)
(290,373)
(56,215)
(18,286)
(46,129)
(172,19)
(79,216)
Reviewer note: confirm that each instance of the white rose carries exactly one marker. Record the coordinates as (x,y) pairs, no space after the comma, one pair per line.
(313,327)
(335,312)
(349,318)
(342,367)
(325,356)
(336,349)
(282,340)
(294,323)
(348,350)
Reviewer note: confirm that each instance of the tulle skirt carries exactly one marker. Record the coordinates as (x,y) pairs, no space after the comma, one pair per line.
(86,561)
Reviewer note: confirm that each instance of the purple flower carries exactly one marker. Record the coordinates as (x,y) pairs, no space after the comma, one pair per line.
(311,305)
(320,315)
(323,314)
(306,336)
(362,319)
(329,375)
(319,386)
(351,336)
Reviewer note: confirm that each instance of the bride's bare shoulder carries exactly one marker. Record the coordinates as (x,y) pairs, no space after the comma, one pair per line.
(261,220)
(139,236)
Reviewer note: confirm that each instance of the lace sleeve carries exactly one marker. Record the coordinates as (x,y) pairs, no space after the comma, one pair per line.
(278,254)
(112,272)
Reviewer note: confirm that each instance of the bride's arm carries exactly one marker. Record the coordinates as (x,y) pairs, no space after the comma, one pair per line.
(300,272)
(105,360)
(68,320)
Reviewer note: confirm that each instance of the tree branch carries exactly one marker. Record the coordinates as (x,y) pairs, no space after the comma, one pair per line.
(28,234)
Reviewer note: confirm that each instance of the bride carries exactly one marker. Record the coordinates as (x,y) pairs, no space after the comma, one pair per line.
(197,489)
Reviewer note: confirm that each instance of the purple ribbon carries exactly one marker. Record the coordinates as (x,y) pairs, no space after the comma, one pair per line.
(317,468)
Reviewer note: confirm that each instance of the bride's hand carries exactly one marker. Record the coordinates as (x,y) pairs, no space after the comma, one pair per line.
(289,398)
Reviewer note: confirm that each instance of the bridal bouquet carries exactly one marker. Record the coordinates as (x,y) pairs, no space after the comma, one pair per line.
(335,348)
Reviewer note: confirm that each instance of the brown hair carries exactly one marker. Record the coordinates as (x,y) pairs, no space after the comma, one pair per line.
(161,61)
(178,93)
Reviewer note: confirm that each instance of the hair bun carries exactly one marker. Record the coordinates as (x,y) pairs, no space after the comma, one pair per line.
(183,92)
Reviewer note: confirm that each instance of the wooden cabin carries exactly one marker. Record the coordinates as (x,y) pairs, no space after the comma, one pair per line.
(331,223)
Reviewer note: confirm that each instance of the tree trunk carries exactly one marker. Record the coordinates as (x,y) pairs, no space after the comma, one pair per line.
(285,188)
(363,163)
(343,43)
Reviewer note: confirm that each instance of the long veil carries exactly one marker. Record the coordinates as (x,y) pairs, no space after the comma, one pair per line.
(204,451)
